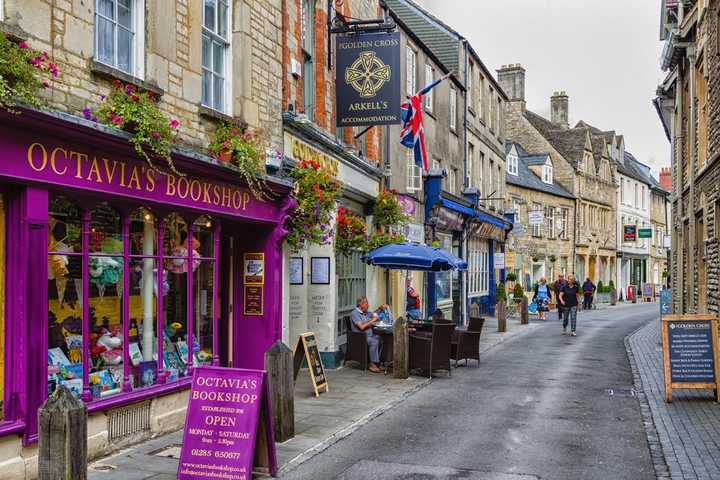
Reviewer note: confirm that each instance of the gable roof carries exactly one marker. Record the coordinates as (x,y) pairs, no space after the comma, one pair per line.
(637,170)
(526,178)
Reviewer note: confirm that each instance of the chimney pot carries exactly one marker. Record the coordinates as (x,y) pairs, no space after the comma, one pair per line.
(511,78)
(559,105)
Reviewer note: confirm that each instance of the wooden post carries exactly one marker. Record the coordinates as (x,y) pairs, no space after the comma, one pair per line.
(401,346)
(279,367)
(501,311)
(62,445)
(524,317)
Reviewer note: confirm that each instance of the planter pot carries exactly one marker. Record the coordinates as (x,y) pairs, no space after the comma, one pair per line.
(603,298)
(225,156)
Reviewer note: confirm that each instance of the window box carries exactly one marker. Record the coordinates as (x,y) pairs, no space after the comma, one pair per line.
(111,73)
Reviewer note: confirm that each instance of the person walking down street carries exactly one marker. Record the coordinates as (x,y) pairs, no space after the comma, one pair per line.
(557,288)
(361,321)
(569,301)
(588,293)
(542,298)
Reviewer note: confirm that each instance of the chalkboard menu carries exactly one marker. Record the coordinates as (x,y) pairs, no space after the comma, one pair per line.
(690,352)
(307,344)
(648,291)
(665,301)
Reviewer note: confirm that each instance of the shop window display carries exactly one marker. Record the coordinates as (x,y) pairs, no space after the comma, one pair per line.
(110,338)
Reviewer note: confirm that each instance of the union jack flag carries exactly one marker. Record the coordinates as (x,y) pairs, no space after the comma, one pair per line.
(413,132)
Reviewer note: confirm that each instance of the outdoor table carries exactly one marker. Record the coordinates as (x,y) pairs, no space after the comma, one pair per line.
(386,352)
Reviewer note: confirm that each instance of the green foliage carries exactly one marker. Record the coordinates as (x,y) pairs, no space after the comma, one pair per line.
(134,111)
(21,74)
(611,284)
(388,212)
(511,277)
(381,239)
(350,232)
(600,286)
(501,293)
(518,291)
(245,146)
(315,192)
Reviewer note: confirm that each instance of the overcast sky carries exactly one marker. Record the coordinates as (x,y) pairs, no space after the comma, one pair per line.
(605,55)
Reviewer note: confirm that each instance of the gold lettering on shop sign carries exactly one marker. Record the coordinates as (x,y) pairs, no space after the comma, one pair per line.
(303,152)
(65,162)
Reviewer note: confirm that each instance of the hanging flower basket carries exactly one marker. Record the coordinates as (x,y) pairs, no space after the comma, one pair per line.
(136,112)
(351,232)
(24,72)
(388,212)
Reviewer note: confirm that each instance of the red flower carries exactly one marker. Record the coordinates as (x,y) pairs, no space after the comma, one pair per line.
(135,98)
(174,123)
(117,83)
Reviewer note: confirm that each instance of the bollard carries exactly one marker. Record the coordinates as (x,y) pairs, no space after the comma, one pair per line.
(279,367)
(501,312)
(401,345)
(524,316)
(62,444)
(613,297)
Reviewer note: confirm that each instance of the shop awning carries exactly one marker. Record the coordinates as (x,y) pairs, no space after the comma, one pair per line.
(451,205)
(484,217)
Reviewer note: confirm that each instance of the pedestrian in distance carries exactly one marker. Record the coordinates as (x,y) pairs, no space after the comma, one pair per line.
(588,293)
(569,299)
(542,298)
(557,288)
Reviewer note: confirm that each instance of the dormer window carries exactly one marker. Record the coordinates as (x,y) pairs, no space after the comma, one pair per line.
(512,164)
(547,173)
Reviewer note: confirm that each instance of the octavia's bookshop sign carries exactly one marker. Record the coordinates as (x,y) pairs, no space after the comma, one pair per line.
(690,353)
(228,428)
(368,79)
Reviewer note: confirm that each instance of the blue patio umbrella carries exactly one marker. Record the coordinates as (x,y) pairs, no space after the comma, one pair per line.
(411,256)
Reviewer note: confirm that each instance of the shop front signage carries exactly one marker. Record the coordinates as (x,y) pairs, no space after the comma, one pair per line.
(629,233)
(447,219)
(665,301)
(408,205)
(253,300)
(228,419)
(80,167)
(690,353)
(667,241)
(254,268)
(367,80)
(499,261)
(306,349)
(536,217)
(486,231)
(348,175)
(644,233)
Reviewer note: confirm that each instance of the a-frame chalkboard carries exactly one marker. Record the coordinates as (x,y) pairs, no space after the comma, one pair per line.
(306,349)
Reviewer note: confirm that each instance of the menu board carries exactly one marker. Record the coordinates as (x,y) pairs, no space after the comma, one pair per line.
(648,290)
(307,344)
(665,301)
(228,422)
(690,352)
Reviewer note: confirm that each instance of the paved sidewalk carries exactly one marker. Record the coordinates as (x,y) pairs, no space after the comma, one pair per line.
(688,429)
(355,398)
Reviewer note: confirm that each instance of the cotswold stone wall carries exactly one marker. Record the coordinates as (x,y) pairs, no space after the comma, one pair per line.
(172,59)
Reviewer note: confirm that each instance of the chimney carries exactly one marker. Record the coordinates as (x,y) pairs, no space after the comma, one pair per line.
(666,178)
(512,80)
(559,109)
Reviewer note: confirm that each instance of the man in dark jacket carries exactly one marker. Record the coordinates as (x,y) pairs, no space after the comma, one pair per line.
(588,292)
(557,288)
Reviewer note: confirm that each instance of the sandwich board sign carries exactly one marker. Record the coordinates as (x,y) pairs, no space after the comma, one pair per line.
(307,349)
(228,428)
(690,353)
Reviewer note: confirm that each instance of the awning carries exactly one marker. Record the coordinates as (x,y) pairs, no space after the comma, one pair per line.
(484,217)
(451,205)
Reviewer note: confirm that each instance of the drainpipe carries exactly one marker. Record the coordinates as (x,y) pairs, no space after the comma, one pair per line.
(466,183)
(388,169)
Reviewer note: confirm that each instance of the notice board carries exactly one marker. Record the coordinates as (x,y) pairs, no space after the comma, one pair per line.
(228,428)
(307,349)
(690,353)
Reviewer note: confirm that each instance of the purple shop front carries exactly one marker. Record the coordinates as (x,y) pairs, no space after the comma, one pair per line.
(120,280)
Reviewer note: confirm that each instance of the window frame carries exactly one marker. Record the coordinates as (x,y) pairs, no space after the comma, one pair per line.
(215,38)
(512,164)
(469,87)
(547,174)
(410,70)
(413,173)
(453,109)
(429,100)
(137,47)
(536,230)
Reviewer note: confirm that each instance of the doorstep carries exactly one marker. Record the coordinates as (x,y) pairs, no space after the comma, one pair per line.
(354,399)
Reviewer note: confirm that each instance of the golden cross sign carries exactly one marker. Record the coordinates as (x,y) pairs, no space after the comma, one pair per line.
(367,74)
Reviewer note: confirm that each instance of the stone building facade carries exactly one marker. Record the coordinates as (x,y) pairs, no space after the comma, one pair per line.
(582,163)
(537,251)
(688,103)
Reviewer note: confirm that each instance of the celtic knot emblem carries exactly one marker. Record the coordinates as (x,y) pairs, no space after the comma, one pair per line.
(367,74)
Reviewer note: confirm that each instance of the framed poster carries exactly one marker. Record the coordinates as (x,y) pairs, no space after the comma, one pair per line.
(296,271)
(536,217)
(253,300)
(254,268)
(320,270)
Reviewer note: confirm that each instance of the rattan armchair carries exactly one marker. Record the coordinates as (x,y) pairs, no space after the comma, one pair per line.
(433,352)
(357,346)
(466,342)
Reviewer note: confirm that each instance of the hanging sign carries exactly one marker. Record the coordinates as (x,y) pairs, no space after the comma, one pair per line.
(536,217)
(644,233)
(306,349)
(499,260)
(228,427)
(665,301)
(254,268)
(629,233)
(367,79)
(690,353)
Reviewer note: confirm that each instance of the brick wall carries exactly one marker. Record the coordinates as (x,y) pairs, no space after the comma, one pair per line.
(172,59)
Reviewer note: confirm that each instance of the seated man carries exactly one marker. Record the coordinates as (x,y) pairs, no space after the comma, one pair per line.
(361,321)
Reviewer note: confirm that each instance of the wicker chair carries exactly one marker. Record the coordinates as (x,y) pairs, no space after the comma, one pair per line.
(466,342)
(433,352)
(357,346)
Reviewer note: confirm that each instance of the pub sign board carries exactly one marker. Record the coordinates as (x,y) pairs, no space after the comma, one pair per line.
(690,353)
(228,428)
(367,79)
(629,233)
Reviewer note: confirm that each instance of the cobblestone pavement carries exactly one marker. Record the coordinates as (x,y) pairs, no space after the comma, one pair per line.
(355,398)
(688,429)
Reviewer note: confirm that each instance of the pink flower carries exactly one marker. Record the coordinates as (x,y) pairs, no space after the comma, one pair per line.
(46,84)
(53,69)
(23,45)
(174,123)
(156,136)
(117,120)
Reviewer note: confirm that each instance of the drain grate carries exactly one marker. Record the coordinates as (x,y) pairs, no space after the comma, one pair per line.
(128,421)
(168,451)
(621,392)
